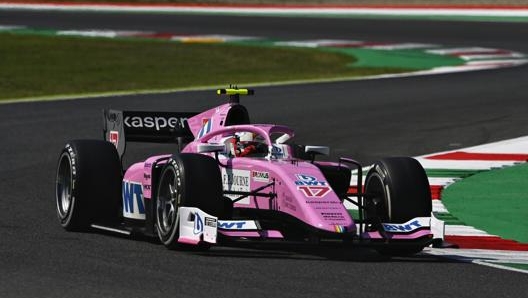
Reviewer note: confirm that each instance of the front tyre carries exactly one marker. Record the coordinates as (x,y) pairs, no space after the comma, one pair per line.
(88,184)
(190,180)
(397,190)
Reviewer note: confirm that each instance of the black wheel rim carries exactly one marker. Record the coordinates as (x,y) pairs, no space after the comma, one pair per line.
(377,205)
(167,202)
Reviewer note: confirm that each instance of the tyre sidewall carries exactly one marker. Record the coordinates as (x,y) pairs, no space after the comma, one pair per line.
(406,191)
(406,195)
(199,185)
(96,177)
(170,237)
(68,218)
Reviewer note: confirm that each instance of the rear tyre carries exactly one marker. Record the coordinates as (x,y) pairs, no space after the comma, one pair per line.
(88,184)
(397,190)
(190,180)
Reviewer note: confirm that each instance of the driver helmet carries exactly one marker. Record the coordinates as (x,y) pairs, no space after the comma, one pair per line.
(248,143)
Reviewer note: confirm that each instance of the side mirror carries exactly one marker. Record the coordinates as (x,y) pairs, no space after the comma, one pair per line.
(282,139)
(211,147)
(312,151)
(316,150)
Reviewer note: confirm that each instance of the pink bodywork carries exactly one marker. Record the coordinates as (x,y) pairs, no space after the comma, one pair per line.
(301,188)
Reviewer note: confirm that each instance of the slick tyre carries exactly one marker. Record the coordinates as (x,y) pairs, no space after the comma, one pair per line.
(397,190)
(88,184)
(189,180)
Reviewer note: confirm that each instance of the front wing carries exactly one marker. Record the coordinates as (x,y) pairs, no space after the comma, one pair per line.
(197,226)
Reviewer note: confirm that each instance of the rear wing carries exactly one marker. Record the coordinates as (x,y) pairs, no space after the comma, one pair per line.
(120,127)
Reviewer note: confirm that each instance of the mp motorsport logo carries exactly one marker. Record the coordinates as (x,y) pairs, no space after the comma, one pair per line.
(198,224)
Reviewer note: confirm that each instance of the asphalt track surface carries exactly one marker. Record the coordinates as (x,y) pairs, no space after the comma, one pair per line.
(362,119)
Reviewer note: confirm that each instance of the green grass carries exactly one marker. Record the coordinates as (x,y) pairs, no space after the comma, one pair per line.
(36,65)
(514,265)
(495,201)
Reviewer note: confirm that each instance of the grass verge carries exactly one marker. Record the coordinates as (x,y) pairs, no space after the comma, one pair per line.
(494,201)
(35,65)
(514,265)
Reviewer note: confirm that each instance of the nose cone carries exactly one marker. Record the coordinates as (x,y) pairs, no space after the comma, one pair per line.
(322,208)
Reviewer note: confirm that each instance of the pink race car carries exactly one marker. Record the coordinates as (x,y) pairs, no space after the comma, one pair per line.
(230,181)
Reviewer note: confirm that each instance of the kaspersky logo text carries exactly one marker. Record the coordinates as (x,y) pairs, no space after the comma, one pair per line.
(154,122)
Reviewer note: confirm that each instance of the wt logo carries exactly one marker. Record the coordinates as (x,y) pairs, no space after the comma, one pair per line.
(311,187)
(133,204)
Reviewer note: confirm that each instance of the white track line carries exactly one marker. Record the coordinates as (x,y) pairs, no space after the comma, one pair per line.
(484,257)
(277,10)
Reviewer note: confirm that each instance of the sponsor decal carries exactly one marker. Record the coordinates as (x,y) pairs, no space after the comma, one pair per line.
(147,181)
(314,191)
(133,203)
(73,164)
(237,180)
(237,225)
(206,127)
(340,229)
(156,122)
(311,187)
(232,225)
(308,180)
(234,180)
(260,176)
(277,152)
(198,224)
(325,207)
(381,172)
(210,222)
(411,225)
(324,203)
(114,137)
(333,216)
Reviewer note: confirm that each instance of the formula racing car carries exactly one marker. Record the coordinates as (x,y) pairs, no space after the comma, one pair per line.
(230,181)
